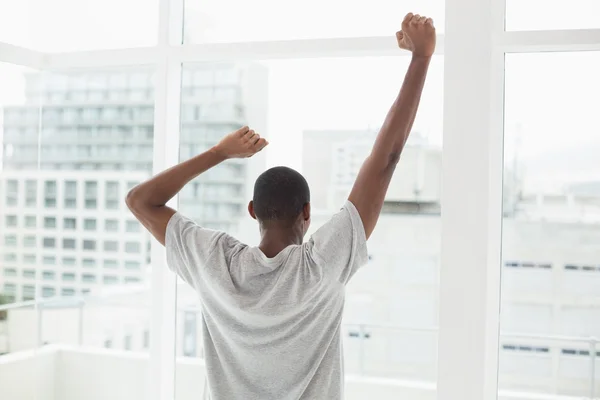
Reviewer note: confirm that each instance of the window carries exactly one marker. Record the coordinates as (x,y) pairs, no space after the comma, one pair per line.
(48,275)
(11,220)
(88,278)
(10,272)
(10,288)
(559,227)
(28,292)
(111,225)
(48,291)
(49,260)
(10,240)
(29,241)
(12,192)
(30,193)
(132,265)
(10,257)
(132,226)
(29,259)
(68,261)
(49,222)
(111,264)
(50,194)
(89,224)
(68,276)
(110,280)
(67,292)
(70,224)
(132,279)
(70,194)
(111,245)
(132,247)
(112,195)
(30,221)
(49,242)
(69,244)
(29,273)
(89,245)
(127,342)
(88,262)
(91,194)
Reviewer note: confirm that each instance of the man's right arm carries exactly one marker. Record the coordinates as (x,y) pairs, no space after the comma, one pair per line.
(370,187)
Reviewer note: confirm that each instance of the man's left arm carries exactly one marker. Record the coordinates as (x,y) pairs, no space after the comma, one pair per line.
(148,200)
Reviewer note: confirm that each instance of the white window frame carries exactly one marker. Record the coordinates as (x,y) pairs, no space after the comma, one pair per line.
(474,45)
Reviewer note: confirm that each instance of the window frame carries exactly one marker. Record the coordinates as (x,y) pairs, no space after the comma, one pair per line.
(468,314)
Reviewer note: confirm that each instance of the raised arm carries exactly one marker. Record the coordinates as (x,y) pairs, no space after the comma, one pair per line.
(368,193)
(148,200)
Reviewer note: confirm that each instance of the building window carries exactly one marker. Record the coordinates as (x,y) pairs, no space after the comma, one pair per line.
(108,344)
(30,221)
(88,262)
(91,194)
(49,260)
(50,194)
(132,247)
(69,244)
(29,259)
(111,245)
(10,240)
(67,292)
(29,241)
(110,280)
(89,245)
(10,272)
(127,342)
(111,264)
(68,261)
(10,288)
(30,193)
(89,224)
(111,225)
(12,192)
(132,226)
(49,243)
(146,339)
(10,257)
(49,222)
(70,224)
(48,275)
(11,220)
(132,279)
(132,265)
(70,194)
(88,278)
(68,276)
(28,292)
(48,291)
(112,195)
(29,273)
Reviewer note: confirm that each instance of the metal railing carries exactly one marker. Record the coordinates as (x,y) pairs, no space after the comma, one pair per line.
(364,330)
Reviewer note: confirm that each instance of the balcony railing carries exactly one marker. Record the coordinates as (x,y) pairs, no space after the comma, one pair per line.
(363,332)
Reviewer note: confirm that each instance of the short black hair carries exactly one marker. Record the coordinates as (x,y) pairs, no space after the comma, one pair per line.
(280,194)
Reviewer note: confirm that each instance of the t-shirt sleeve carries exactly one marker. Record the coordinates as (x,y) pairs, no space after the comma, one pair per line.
(189,247)
(340,246)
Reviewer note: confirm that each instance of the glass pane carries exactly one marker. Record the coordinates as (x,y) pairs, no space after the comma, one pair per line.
(317,122)
(212,20)
(79,301)
(551,232)
(532,15)
(50,25)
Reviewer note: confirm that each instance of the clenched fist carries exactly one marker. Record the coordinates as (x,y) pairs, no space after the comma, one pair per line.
(417,35)
(242,143)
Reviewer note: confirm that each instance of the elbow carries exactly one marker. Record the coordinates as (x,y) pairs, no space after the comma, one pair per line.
(132,200)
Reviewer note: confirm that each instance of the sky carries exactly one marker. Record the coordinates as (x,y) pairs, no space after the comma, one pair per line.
(548,108)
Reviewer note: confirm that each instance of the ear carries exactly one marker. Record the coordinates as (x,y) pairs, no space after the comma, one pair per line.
(306,212)
(251,209)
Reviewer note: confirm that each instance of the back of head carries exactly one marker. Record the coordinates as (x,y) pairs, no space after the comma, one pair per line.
(280,194)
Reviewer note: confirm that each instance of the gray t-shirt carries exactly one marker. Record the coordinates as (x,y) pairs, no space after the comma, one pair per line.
(270,326)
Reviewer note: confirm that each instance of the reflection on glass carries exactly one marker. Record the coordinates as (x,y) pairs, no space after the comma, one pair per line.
(322,116)
(551,232)
(213,21)
(63,232)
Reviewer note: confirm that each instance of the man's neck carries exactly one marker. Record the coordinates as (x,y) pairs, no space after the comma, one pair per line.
(275,239)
